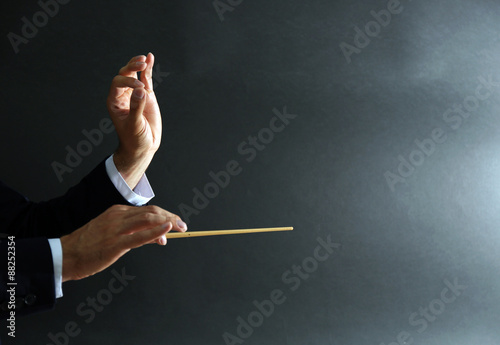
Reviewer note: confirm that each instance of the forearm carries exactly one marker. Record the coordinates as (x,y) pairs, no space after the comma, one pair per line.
(53,218)
(132,168)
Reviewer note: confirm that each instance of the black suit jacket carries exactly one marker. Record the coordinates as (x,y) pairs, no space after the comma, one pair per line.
(32,223)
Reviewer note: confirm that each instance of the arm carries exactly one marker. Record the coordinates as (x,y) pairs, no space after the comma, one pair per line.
(111,233)
(93,195)
(101,242)
(87,251)
(134,110)
(34,291)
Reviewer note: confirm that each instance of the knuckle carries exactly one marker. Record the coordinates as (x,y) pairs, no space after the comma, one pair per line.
(173,215)
(146,217)
(117,207)
(111,211)
(154,209)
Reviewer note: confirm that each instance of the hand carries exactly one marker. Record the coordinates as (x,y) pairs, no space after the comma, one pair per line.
(102,241)
(134,110)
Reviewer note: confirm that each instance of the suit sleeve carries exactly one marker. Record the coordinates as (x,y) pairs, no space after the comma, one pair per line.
(32,223)
(32,289)
(62,215)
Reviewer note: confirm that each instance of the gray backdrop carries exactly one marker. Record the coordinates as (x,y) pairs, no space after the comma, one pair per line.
(384,160)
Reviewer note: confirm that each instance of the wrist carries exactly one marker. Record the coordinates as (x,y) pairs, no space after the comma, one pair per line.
(132,167)
(69,258)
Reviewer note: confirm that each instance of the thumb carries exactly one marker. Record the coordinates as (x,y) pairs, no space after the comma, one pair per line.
(137,104)
(140,238)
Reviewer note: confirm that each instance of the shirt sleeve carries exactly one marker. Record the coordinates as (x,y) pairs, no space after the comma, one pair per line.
(141,194)
(56,248)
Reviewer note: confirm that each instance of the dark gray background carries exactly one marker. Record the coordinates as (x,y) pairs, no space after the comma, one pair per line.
(324,174)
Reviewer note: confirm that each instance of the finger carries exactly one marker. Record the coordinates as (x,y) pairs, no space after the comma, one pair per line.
(120,82)
(162,241)
(149,216)
(147,74)
(136,64)
(142,221)
(137,104)
(179,225)
(138,58)
(141,238)
(134,211)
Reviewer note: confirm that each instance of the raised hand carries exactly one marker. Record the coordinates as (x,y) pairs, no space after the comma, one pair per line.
(134,110)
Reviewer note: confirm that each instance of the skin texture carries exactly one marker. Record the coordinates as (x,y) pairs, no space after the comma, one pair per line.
(102,241)
(134,110)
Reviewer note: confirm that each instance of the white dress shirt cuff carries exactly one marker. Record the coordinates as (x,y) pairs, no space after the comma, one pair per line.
(141,194)
(56,248)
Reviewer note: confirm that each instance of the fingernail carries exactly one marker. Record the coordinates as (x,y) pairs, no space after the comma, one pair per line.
(182,225)
(140,63)
(138,83)
(163,240)
(138,93)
